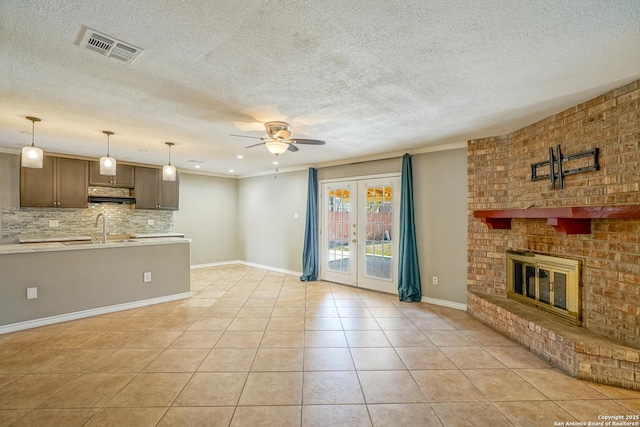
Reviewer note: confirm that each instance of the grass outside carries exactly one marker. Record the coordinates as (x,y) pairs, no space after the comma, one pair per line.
(383,249)
(380,249)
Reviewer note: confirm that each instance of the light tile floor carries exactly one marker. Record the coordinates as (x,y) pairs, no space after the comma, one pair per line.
(258,348)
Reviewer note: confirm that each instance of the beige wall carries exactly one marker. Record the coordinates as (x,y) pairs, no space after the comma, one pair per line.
(209,216)
(268,233)
(361,169)
(440,195)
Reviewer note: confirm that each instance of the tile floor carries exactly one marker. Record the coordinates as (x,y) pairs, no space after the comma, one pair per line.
(258,348)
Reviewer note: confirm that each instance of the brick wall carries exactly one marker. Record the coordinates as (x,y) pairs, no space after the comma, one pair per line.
(499,173)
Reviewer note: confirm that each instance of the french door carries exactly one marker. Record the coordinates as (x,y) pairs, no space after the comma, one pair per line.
(359,233)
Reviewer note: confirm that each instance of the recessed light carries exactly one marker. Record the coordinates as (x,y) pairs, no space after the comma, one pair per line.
(240,156)
(275,163)
(197,166)
(231,170)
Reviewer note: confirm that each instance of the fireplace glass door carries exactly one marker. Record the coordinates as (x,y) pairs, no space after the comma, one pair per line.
(560,290)
(547,282)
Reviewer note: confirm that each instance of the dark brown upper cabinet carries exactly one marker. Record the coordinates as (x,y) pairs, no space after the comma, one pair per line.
(61,183)
(124,177)
(152,192)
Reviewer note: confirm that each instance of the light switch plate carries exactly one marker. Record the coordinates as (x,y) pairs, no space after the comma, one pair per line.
(32,293)
(53,223)
(146,277)
(151,222)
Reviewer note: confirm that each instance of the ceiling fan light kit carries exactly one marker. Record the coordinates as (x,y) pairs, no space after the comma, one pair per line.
(277,147)
(279,140)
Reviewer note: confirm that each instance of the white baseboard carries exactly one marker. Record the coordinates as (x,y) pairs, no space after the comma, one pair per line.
(215,264)
(276,269)
(28,324)
(445,303)
(250,264)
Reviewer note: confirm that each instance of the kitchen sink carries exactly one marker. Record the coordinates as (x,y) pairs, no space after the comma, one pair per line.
(78,242)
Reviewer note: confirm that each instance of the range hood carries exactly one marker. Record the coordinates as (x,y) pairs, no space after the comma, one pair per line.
(119,200)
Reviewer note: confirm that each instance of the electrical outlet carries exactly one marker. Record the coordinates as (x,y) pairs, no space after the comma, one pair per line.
(32,293)
(146,277)
(435,280)
(53,223)
(295,215)
(151,222)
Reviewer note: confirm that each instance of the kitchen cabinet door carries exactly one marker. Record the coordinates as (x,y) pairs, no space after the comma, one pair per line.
(124,177)
(169,193)
(61,183)
(146,189)
(72,183)
(37,186)
(152,192)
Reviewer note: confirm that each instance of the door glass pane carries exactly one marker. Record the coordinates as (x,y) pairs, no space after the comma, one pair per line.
(560,290)
(531,281)
(338,226)
(379,230)
(544,283)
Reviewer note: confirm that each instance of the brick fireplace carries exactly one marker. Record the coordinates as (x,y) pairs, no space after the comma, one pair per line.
(606,348)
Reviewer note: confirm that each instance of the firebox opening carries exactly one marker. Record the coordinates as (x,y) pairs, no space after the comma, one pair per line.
(547,282)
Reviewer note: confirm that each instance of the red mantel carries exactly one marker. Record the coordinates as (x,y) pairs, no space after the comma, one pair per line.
(569,220)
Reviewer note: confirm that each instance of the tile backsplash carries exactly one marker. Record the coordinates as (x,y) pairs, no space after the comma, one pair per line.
(25,223)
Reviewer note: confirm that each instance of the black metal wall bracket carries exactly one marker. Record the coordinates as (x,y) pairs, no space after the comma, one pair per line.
(557,172)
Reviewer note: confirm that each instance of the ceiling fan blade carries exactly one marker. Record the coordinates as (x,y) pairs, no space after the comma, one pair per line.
(293,148)
(308,141)
(254,145)
(245,136)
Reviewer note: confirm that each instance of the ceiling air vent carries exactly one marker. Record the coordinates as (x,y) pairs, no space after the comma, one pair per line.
(109,46)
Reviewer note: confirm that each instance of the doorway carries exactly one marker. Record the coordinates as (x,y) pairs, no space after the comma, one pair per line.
(359,232)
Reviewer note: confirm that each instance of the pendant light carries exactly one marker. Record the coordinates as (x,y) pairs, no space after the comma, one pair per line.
(107,163)
(31,155)
(168,170)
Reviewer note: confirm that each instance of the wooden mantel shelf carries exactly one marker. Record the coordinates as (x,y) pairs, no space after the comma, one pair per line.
(569,220)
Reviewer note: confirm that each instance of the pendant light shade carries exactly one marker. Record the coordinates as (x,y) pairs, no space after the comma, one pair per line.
(168,170)
(107,163)
(277,147)
(31,155)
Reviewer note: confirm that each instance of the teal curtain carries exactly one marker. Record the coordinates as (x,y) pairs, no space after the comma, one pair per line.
(310,250)
(409,287)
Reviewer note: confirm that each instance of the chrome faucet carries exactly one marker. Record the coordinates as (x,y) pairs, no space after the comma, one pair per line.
(104,226)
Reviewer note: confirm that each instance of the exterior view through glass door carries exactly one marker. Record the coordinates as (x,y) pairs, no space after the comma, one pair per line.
(359,233)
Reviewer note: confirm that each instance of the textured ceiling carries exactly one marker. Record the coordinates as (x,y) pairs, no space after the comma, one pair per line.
(369,77)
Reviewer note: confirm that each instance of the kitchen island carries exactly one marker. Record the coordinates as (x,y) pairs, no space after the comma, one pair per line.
(82,279)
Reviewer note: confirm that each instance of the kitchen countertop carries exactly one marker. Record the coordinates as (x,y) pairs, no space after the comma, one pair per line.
(86,245)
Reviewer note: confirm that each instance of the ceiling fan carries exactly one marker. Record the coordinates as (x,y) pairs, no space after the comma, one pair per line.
(279,140)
